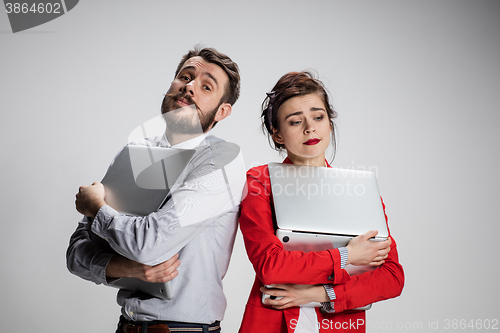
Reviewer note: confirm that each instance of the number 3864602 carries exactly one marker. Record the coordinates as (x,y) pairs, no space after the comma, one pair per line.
(36,8)
(477,324)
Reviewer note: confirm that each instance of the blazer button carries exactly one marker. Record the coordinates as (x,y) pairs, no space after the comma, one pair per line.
(331,277)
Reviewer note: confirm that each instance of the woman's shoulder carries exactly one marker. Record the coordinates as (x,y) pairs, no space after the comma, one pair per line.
(258,178)
(259,172)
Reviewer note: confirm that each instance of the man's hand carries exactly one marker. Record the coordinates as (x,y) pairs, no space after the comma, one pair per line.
(362,251)
(119,267)
(294,295)
(90,199)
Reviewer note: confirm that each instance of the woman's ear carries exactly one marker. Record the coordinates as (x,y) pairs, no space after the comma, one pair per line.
(277,137)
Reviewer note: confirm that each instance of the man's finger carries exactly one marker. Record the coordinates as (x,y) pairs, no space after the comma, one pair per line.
(169,277)
(173,259)
(165,266)
(168,263)
(172,267)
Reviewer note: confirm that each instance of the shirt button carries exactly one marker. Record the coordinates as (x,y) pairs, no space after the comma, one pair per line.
(331,277)
(131,313)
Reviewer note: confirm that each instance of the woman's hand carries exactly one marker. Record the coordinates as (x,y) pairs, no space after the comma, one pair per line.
(294,295)
(362,251)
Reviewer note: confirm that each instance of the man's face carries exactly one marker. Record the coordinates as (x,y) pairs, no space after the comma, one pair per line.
(194,97)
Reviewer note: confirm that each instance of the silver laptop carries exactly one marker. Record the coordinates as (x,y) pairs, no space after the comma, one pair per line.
(140,178)
(138,183)
(321,208)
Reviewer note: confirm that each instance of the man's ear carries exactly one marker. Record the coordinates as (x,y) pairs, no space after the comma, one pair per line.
(223,111)
(277,137)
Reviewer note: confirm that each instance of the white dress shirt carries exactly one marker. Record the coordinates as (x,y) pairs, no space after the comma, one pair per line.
(199,222)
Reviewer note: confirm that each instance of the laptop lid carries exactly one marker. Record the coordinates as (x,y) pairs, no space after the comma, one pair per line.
(326,200)
(140,178)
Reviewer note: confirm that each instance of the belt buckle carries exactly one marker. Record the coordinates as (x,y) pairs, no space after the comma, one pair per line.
(131,328)
(164,328)
(128,328)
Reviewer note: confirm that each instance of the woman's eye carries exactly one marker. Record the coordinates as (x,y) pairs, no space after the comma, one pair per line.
(320,118)
(295,123)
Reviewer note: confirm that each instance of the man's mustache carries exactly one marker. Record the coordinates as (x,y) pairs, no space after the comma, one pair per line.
(181,95)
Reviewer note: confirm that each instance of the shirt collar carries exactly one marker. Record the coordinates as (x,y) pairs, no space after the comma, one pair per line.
(189,144)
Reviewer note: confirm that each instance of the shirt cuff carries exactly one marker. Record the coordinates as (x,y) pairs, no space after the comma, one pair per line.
(343,256)
(101,221)
(98,267)
(328,307)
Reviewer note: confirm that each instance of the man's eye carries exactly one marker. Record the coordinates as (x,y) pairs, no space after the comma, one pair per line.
(185,78)
(207,88)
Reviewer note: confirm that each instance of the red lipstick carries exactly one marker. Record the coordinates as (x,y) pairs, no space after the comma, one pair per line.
(312,142)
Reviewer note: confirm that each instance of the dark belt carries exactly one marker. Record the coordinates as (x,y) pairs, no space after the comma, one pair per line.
(126,326)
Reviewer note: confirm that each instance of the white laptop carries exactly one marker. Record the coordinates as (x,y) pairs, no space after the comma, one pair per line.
(321,208)
(138,183)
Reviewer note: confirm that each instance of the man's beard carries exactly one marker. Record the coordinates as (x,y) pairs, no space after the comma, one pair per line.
(177,120)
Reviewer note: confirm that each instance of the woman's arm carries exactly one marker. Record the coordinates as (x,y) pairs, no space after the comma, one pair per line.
(385,282)
(271,262)
(274,265)
(291,295)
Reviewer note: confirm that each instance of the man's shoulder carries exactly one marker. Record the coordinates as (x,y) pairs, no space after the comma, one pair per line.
(212,139)
(153,141)
(218,151)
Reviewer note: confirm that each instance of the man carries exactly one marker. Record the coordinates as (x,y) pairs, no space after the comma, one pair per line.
(198,222)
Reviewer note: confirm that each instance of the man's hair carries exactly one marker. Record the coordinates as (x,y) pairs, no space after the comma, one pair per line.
(232,90)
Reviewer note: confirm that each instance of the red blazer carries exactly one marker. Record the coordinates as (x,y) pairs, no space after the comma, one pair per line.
(273,264)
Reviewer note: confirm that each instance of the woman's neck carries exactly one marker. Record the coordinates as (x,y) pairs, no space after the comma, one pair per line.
(313,161)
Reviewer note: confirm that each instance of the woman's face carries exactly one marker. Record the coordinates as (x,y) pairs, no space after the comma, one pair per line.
(304,129)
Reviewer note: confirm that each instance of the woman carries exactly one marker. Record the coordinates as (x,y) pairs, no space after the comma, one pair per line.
(298,118)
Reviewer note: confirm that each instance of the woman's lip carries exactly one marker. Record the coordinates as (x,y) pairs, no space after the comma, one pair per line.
(312,142)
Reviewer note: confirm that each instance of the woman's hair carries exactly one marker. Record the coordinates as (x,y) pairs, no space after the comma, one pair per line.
(291,85)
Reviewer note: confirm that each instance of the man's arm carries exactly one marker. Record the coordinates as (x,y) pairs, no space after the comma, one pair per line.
(90,199)
(84,258)
(119,267)
(211,188)
(90,262)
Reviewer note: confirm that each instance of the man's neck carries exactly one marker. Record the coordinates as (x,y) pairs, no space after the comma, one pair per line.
(176,138)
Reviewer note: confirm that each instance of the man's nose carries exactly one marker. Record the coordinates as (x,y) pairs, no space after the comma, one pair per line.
(189,88)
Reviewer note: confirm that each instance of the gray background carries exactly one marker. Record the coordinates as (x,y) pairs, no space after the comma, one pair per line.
(416,85)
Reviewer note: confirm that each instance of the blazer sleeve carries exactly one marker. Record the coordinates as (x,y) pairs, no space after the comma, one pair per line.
(272,264)
(384,282)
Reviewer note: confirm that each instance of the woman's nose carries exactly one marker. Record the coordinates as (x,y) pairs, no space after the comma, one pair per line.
(309,128)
